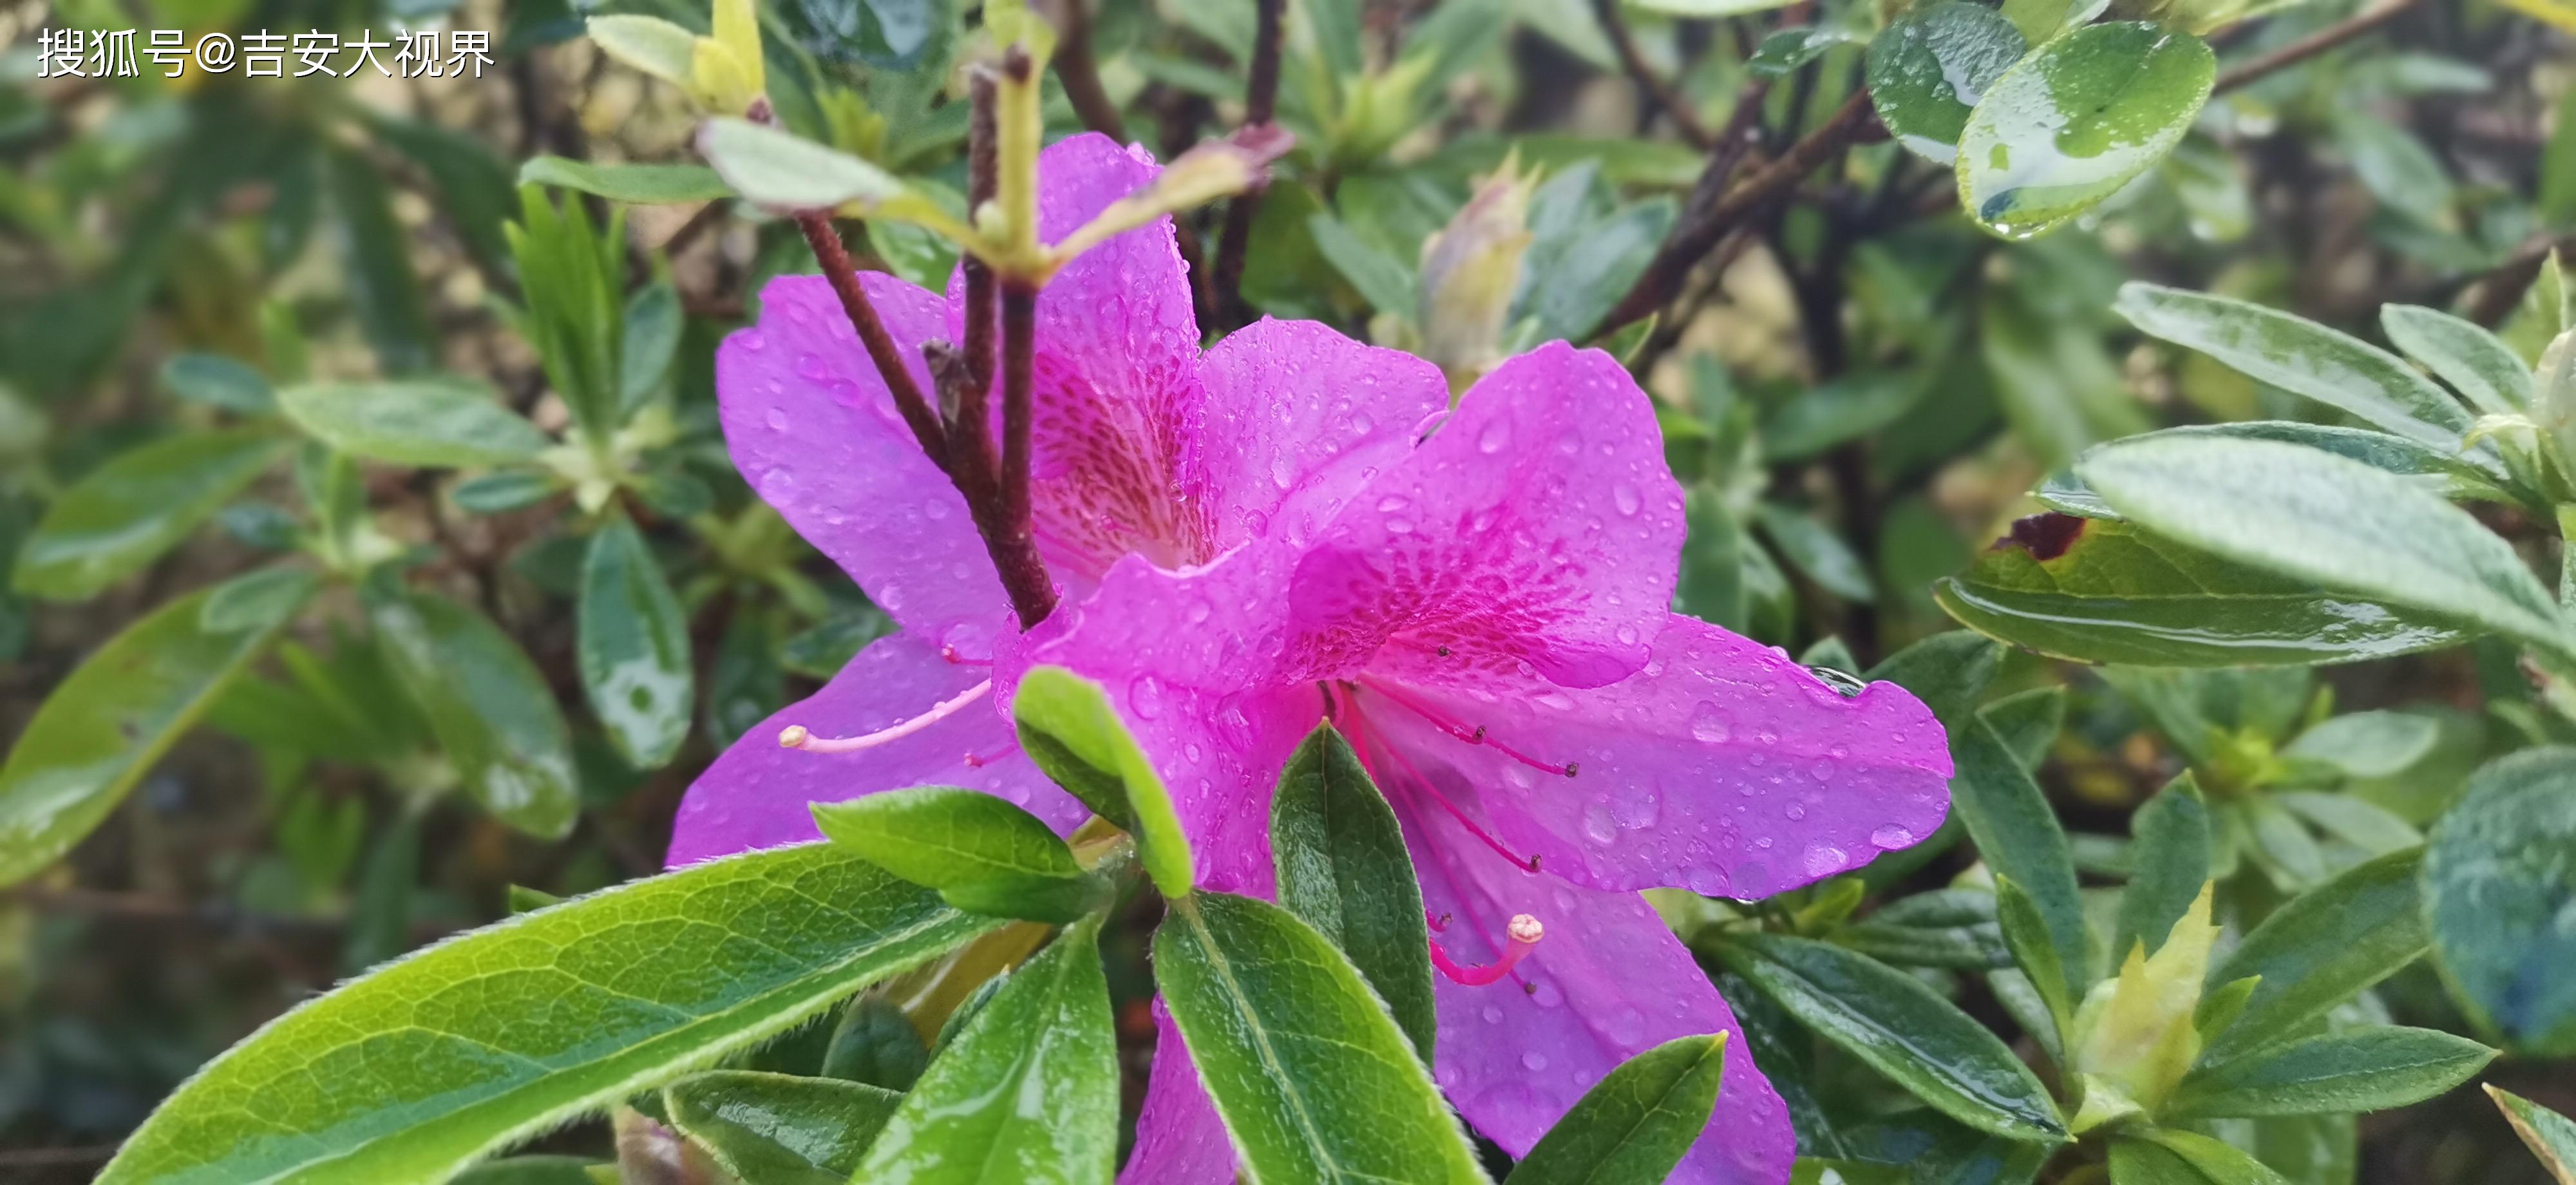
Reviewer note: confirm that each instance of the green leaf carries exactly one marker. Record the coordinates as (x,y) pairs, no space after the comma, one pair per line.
(2499,888)
(2318,951)
(257,598)
(2439,468)
(1929,67)
(1948,671)
(782,171)
(1636,1123)
(102,728)
(2106,591)
(2214,1162)
(650,44)
(1028,1090)
(1343,869)
(383,286)
(488,706)
(2341,524)
(2076,120)
(1314,1080)
(1888,1019)
(217,381)
(636,184)
(2301,357)
(634,647)
(2027,722)
(425,423)
(2475,362)
(1385,282)
(1068,728)
(2018,837)
(2552,1136)
(2366,1069)
(778,1127)
(573,276)
(981,853)
(2141,1162)
(423,1065)
(530,1170)
(1843,409)
(875,1043)
(1710,8)
(1813,549)
(1784,50)
(651,338)
(504,490)
(2169,863)
(124,514)
(2025,934)
(1953,928)
(2365,745)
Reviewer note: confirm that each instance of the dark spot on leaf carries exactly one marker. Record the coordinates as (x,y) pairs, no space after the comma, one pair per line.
(2044,536)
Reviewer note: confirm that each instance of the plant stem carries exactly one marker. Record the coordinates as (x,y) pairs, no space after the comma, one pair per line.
(844,278)
(1260,106)
(1032,594)
(2310,46)
(1712,217)
(1655,89)
(1080,72)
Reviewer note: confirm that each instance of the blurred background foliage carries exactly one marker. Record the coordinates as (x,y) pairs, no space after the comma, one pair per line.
(385,500)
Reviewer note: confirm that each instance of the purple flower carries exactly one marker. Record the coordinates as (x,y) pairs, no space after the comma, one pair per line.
(1293,527)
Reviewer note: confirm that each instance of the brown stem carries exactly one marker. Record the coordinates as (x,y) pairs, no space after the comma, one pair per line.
(2310,46)
(1080,72)
(1032,593)
(1653,87)
(1702,227)
(1260,105)
(844,278)
(983,182)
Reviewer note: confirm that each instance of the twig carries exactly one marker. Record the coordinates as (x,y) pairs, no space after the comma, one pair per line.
(1260,106)
(2310,46)
(1080,73)
(1675,106)
(1701,229)
(844,277)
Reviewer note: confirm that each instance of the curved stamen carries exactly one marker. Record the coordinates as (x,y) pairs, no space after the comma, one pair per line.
(1473,736)
(795,736)
(1358,736)
(1525,932)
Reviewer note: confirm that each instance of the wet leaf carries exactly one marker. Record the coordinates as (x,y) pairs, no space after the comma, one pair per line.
(2076,120)
(413,423)
(124,514)
(634,647)
(488,706)
(2500,886)
(1344,870)
(777,1127)
(1636,1123)
(1929,67)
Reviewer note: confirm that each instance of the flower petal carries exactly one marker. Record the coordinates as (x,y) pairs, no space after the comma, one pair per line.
(756,794)
(1540,524)
(1184,657)
(814,430)
(1179,1138)
(1116,389)
(1721,767)
(1607,982)
(1298,418)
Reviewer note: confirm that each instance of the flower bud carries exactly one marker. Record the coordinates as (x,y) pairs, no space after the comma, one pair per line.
(1471,270)
(2134,1037)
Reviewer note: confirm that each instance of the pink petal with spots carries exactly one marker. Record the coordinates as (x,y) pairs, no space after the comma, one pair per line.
(756,793)
(815,432)
(1116,391)
(1298,418)
(1721,767)
(1607,982)
(1179,1138)
(1539,525)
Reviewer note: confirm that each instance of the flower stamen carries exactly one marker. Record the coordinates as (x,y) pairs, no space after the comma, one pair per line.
(1473,736)
(1358,735)
(1524,931)
(795,736)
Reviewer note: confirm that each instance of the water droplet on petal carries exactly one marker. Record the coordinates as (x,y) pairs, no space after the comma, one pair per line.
(1145,696)
(1892,837)
(1494,437)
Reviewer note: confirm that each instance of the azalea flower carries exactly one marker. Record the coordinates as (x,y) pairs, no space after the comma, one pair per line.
(1142,445)
(1487,621)
(1293,527)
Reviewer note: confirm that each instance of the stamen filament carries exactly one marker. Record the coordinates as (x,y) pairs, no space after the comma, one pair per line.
(1473,736)
(795,736)
(1358,733)
(1525,932)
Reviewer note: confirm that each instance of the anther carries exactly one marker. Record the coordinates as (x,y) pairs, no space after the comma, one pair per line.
(1442,651)
(1571,766)
(1524,933)
(797,736)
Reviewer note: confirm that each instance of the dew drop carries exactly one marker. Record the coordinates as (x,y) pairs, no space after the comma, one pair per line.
(1892,837)
(1825,859)
(1145,696)
(1392,503)
(1534,1061)
(1626,498)
(777,420)
(1598,826)
(1708,723)
(1494,437)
